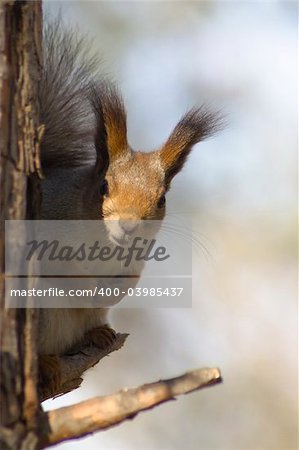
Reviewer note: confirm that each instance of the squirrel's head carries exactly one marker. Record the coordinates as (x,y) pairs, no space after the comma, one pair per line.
(135,183)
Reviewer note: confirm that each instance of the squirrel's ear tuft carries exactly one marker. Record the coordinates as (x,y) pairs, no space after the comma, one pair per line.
(111,120)
(100,135)
(195,126)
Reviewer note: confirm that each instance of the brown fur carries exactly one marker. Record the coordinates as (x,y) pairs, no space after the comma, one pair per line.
(85,143)
(137,180)
(114,114)
(195,126)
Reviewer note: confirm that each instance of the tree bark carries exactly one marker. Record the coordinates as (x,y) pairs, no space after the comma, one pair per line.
(20,65)
(73,366)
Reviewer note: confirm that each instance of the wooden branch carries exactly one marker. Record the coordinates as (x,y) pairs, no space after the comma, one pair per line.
(73,366)
(103,412)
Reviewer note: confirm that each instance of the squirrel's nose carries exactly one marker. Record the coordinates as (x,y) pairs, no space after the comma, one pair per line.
(129,226)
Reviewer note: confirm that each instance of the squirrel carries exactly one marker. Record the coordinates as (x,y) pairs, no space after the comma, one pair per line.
(92,173)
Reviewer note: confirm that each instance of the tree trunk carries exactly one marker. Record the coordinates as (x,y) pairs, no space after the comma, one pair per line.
(20,64)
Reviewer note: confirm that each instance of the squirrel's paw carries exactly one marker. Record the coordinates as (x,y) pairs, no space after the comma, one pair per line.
(102,337)
(49,374)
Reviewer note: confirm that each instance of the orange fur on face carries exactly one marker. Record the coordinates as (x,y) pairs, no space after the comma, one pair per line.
(136,180)
(136,183)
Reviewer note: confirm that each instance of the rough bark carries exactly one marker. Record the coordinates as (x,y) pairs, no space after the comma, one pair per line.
(20,63)
(73,366)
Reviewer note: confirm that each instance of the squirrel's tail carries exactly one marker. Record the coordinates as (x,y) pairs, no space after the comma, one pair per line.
(65,110)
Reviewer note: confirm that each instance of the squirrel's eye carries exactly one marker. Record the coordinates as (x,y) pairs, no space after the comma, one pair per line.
(161,201)
(104,190)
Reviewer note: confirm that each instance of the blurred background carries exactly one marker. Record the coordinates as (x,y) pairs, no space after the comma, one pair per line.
(240,189)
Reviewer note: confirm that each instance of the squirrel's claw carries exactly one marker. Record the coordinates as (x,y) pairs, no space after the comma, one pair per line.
(102,337)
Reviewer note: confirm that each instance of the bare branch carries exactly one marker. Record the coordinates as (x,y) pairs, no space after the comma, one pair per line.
(103,412)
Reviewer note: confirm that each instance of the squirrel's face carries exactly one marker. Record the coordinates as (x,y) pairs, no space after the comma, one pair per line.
(135,183)
(133,191)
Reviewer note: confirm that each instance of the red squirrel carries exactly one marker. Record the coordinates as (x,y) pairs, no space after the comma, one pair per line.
(91,172)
